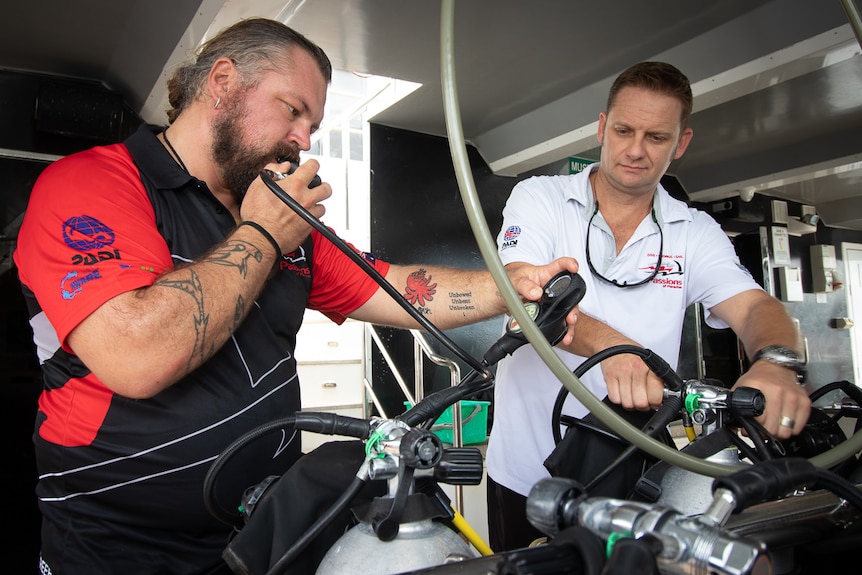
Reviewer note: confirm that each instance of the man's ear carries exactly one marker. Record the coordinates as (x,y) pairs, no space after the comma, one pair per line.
(683,142)
(603,121)
(220,79)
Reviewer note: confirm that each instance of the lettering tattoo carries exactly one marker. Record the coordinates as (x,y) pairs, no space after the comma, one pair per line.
(461,301)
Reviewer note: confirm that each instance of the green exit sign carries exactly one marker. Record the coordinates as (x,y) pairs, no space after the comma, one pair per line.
(577,165)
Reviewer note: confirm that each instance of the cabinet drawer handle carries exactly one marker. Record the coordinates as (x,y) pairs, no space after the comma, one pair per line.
(329,385)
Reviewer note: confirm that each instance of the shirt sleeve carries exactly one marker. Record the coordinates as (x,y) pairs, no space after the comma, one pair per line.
(339,285)
(529,224)
(716,273)
(88,235)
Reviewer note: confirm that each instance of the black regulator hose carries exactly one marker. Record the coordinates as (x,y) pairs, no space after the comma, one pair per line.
(657,365)
(850,389)
(432,406)
(374,274)
(635,556)
(758,436)
(663,416)
(280,566)
(668,411)
(326,423)
(774,479)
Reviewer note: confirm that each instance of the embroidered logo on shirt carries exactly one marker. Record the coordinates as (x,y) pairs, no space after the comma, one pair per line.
(295,262)
(670,266)
(510,237)
(370,258)
(85,233)
(74,282)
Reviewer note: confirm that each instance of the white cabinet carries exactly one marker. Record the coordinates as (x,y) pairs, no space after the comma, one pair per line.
(328,342)
(330,384)
(331,368)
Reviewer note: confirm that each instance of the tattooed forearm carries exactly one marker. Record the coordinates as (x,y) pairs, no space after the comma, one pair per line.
(226,255)
(238,313)
(420,290)
(193,287)
(461,301)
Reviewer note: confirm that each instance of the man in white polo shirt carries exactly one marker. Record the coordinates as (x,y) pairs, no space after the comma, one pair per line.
(645,257)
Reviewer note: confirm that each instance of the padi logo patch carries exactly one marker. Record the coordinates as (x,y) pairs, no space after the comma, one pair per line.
(74,282)
(85,233)
(89,259)
(510,237)
(88,235)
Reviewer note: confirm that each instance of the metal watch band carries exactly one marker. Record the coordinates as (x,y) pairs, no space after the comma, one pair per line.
(783,356)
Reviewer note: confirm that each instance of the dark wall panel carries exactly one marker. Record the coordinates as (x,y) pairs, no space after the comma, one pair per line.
(417,216)
(40,117)
(51,115)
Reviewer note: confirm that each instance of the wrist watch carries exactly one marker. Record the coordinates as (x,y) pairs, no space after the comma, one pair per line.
(783,356)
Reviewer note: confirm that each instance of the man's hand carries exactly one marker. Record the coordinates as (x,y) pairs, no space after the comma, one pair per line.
(786,401)
(631,383)
(265,208)
(529,281)
(759,319)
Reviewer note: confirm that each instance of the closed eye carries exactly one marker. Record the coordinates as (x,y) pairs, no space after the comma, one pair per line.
(659,138)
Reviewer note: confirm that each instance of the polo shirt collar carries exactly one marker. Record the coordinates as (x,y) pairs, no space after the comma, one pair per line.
(154,161)
(581,191)
(667,208)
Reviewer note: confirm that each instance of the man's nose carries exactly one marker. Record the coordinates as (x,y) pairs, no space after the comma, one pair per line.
(300,136)
(636,147)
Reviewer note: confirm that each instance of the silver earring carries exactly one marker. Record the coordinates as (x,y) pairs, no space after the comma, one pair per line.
(217,102)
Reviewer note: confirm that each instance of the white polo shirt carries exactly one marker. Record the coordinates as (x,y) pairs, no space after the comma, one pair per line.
(546,217)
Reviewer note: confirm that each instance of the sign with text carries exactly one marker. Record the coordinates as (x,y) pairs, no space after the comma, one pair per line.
(577,165)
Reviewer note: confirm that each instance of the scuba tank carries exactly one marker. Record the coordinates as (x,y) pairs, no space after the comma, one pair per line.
(408,528)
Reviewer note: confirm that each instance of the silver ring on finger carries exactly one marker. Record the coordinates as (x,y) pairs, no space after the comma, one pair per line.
(787,421)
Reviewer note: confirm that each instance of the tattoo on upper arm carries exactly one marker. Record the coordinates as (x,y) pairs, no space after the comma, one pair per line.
(419,290)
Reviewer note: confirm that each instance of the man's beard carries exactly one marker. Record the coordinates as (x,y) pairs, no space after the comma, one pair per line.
(241,164)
